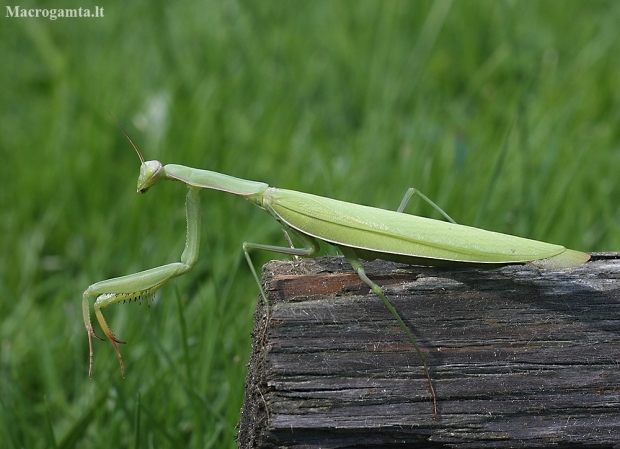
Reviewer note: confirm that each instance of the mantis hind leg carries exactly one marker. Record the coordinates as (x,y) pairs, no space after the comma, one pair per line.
(410,192)
(349,253)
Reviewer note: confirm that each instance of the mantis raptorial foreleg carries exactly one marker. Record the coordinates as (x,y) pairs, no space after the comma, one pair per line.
(143,284)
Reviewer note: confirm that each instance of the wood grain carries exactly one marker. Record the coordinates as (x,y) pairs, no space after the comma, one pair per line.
(520,357)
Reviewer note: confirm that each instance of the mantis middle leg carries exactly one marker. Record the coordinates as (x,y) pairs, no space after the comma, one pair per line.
(143,284)
(311,247)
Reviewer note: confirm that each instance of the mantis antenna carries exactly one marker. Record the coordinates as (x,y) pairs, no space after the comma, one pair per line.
(135,147)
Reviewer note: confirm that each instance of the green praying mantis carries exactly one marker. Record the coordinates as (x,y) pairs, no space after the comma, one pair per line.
(359,232)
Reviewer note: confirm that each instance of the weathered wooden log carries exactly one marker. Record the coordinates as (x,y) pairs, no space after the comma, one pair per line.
(520,357)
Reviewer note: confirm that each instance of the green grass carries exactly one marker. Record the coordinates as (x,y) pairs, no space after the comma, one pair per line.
(507,114)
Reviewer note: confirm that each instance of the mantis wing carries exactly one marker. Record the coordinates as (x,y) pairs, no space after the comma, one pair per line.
(380,233)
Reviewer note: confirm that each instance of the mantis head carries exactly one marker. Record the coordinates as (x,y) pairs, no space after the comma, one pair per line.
(150,172)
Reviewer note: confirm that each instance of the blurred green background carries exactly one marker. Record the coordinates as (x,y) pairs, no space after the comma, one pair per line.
(505,113)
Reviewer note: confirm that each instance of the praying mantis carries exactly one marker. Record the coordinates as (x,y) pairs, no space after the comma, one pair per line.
(359,232)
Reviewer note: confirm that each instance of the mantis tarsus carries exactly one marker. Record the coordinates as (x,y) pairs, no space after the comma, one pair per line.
(360,232)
